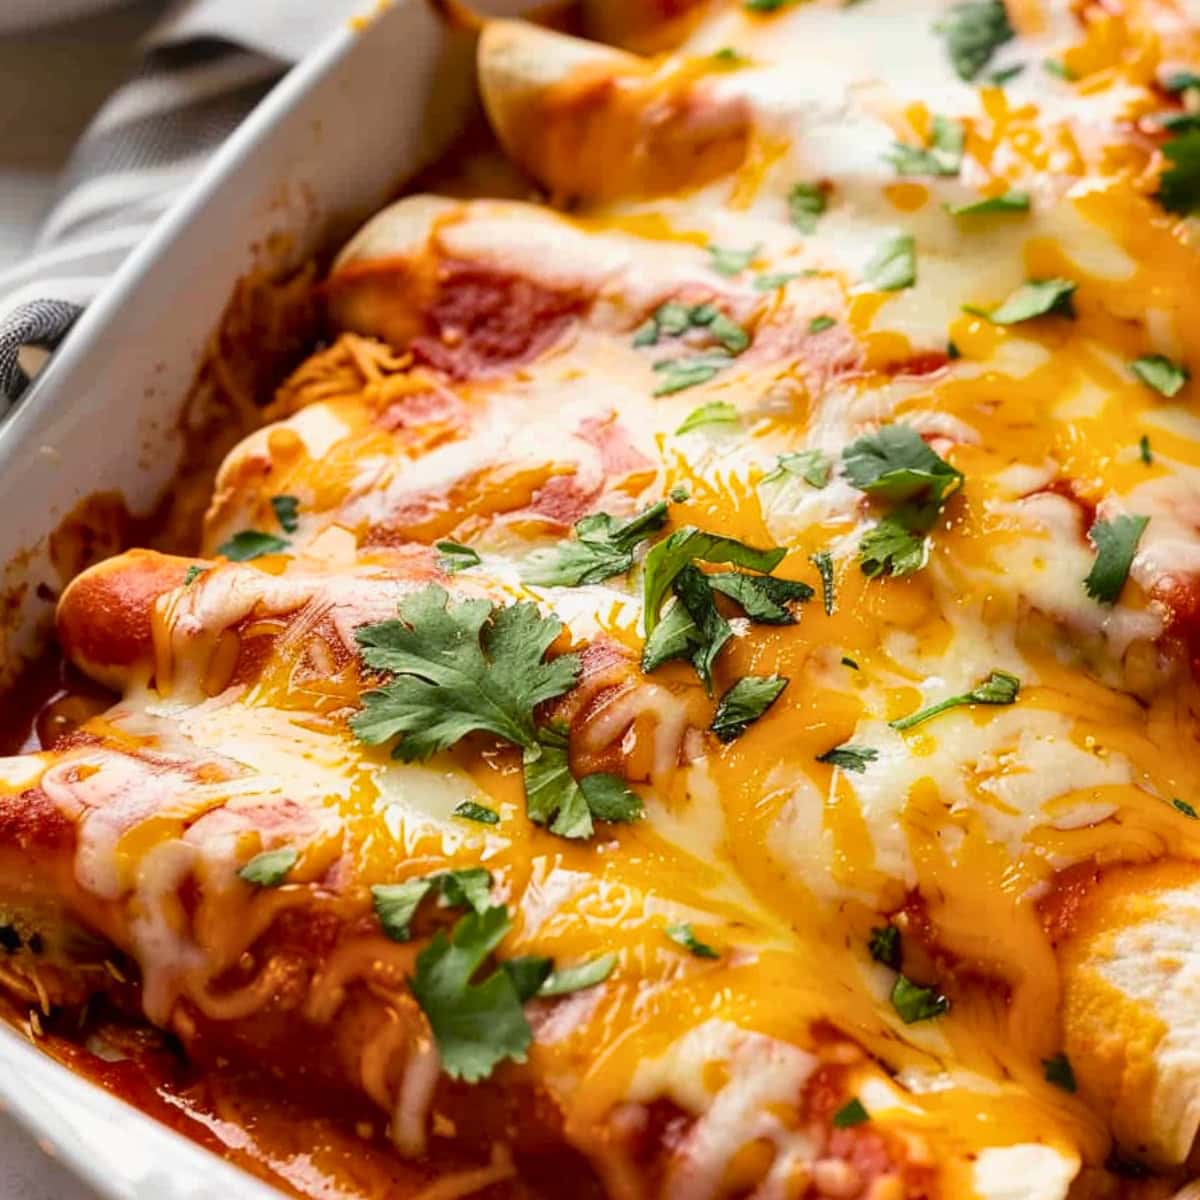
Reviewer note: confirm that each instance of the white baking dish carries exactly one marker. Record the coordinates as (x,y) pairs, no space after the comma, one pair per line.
(329,145)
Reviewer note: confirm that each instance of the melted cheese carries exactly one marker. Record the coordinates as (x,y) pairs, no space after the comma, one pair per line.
(232,738)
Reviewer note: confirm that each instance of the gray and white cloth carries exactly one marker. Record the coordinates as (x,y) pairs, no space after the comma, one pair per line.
(207,64)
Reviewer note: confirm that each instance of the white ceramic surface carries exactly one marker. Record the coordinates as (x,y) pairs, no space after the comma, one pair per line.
(329,145)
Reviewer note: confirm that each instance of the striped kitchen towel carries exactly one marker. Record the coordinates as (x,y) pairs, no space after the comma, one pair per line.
(207,63)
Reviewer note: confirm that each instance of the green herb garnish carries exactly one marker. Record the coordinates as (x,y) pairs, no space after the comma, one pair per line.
(682,933)
(251,543)
(744,703)
(974,31)
(1116,543)
(916,1003)
(849,757)
(1160,373)
(943,156)
(270,868)
(894,265)
(455,557)
(998,688)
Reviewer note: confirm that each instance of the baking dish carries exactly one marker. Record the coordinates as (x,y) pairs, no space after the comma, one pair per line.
(329,145)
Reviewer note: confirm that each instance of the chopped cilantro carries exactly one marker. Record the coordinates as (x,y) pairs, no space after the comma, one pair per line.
(998,688)
(895,545)
(943,156)
(729,56)
(768,283)
(603,547)
(396,903)
(564,980)
(1057,1070)
(719,412)
(764,598)
(1179,185)
(475,1025)
(675,636)
(1144,450)
(709,630)
(470,811)
(528,974)
(973,31)
(1184,807)
(1160,373)
(849,757)
(456,557)
(1009,202)
(952,351)
(673,319)
(884,946)
(673,553)
(1002,75)
(1060,70)
(192,574)
(813,466)
(744,703)
(730,262)
(820,324)
(566,805)
(678,374)
(456,668)
(847,661)
(251,543)
(682,933)
(270,868)
(896,464)
(851,1113)
(1116,542)
(916,1003)
(1181,81)
(806,202)
(287,512)
(823,561)
(1037,298)
(894,265)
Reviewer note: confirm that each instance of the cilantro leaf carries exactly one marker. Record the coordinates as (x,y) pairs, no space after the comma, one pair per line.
(475,1026)
(895,463)
(683,933)
(768,283)
(270,868)
(458,668)
(847,661)
(806,202)
(528,973)
(1184,807)
(672,554)
(744,703)
(1010,202)
(192,574)
(1057,1070)
(251,543)
(1144,450)
(895,546)
(1116,542)
(678,374)
(396,903)
(1181,81)
(851,1113)
(719,412)
(916,1003)
(849,757)
(764,598)
(555,798)
(731,262)
(998,688)
(942,157)
(823,561)
(973,31)
(603,547)
(813,466)
(820,324)
(564,980)
(693,592)
(675,636)
(894,265)
(456,557)
(1060,70)
(470,811)
(287,512)
(1179,185)
(766,6)
(1037,298)
(1160,373)
(884,946)
(1003,75)
(674,319)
